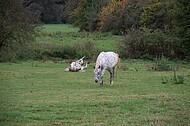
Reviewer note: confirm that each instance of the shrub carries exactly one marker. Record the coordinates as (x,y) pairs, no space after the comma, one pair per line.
(164,80)
(178,79)
(149,44)
(162,64)
(39,50)
(130,46)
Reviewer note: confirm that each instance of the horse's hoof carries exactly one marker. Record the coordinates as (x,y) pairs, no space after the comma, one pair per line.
(101,85)
(111,83)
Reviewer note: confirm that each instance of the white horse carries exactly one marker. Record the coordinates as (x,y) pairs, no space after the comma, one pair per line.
(106,61)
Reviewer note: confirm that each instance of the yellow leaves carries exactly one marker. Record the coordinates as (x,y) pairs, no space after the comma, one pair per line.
(124,3)
(110,10)
(151,10)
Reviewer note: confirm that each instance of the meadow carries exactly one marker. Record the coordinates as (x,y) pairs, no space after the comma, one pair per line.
(42,93)
(65,34)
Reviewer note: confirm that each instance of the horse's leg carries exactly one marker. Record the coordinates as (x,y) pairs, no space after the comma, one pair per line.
(102,74)
(114,68)
(83,57)
(86,65)
(111,77)
(111,82)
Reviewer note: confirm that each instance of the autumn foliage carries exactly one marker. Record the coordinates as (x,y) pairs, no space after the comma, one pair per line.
(166,22)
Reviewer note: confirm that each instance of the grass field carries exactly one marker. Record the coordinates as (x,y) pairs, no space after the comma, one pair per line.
(63,34)
(42,93)
(38,93)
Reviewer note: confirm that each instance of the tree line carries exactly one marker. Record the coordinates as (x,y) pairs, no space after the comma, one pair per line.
(52,11)
(151,28)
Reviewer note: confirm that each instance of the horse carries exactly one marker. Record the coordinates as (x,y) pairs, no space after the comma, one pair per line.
(77,66)
(106,61)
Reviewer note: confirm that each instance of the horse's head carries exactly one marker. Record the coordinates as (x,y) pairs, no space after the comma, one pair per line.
(97,72)
(80,61)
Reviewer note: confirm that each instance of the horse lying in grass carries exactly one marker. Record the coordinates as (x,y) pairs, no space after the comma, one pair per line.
(77,66)
(106,61)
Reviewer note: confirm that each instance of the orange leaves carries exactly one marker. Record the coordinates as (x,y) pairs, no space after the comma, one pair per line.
(124,3)
(110,11)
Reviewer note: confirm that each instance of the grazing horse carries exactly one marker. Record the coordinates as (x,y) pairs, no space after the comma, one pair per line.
(77,66)
(106,61)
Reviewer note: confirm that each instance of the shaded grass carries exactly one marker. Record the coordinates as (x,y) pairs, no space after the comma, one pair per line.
(47,95)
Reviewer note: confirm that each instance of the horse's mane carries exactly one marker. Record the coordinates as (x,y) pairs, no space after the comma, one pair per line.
(97,62)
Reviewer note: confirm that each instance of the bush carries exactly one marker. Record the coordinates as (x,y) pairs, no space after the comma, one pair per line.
(178,79)
(149,44)
(39,50)
(130,46)
(162,64)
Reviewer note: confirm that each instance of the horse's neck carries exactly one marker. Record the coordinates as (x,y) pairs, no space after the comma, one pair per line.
(98,62)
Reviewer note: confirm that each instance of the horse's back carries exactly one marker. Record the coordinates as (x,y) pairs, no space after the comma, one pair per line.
(108,59)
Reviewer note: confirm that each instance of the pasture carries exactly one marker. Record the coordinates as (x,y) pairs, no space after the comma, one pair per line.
(42,93)
(64,34)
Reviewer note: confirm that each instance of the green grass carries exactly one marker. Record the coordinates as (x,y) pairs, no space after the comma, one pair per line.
(64,34)
(51,28)
(42,93)
(47,95)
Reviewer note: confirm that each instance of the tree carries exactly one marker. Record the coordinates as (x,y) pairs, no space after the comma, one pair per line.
(121,16)
(156,15)
(69,7)
(86,15)
(51,11)
(16,25)
(181,24)
(108,16)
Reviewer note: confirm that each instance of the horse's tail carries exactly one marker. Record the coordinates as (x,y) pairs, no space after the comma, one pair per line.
(118,60)
(117,64)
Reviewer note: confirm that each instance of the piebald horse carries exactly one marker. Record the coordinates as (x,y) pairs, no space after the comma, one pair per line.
(77,66)
(106,61)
